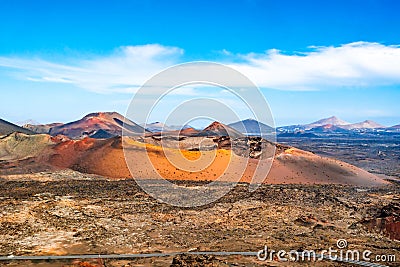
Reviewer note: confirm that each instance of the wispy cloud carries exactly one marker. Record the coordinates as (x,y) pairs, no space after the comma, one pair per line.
(123,71)
(359,64)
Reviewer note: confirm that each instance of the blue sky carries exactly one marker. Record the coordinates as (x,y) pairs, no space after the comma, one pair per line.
(62,59)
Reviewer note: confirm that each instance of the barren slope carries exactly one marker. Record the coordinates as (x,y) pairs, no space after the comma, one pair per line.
(105,157)
(109,122)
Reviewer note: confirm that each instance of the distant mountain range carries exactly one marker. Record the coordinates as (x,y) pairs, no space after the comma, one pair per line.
(157,127)
(368,124)
(252,127)
(109,124)
(327,128)
(161,127)
(327,121)
(335,125)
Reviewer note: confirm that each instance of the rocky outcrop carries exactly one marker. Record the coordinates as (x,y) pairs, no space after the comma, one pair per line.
(387,221)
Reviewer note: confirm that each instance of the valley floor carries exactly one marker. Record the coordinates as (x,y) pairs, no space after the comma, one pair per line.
(57,215)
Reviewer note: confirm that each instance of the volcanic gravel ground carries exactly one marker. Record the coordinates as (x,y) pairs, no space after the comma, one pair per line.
(59,217)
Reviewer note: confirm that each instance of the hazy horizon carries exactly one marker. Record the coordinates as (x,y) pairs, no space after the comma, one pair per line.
(203,123)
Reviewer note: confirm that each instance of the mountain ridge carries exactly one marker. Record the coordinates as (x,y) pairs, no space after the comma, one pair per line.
(111,124)
(330,120)
(7,127)
(367,124)
(334,121)
(251,127)
(219,129)
(95,124)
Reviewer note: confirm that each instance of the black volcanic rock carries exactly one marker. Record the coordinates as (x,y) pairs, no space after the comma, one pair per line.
(101,134)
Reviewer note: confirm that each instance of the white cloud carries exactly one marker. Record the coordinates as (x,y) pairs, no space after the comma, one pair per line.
(123,71)
(356,64)
(359,64)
